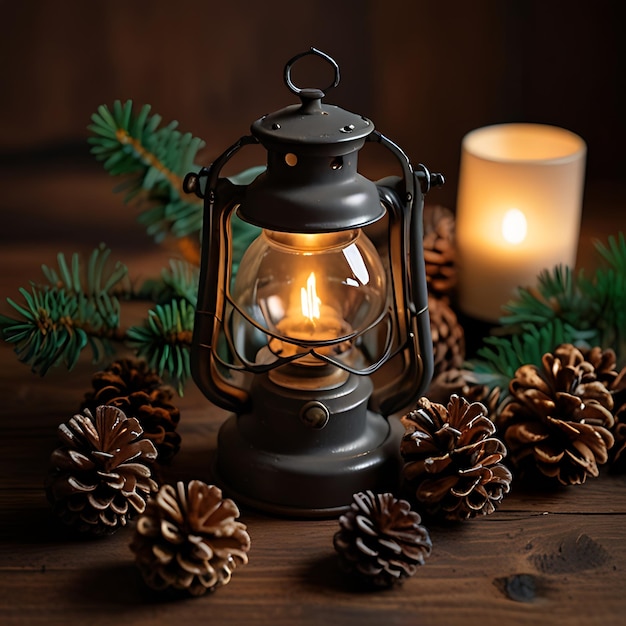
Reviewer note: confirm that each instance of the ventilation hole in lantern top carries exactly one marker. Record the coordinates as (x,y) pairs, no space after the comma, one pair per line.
(291,159)
(336,163)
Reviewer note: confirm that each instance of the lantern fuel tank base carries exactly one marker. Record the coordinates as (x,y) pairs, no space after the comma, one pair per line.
(306,452)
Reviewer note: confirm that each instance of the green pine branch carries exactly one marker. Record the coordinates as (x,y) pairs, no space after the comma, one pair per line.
(607,289)
(154,159)
(178,281)
(614,252)
(501,356)
(164,340)
(563,307)
(76,306)
(558,294)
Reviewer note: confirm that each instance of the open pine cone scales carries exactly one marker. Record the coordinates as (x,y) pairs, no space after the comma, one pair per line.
(559,418)
(455,381)
(439,250)
(605,365)
(101,475)
(188,540)
(447,336)
(381,539)
(130,385)
(451,459)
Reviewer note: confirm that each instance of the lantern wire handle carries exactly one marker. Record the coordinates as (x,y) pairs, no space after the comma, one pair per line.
(313,51)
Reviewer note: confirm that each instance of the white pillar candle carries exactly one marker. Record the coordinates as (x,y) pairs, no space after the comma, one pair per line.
(518,210)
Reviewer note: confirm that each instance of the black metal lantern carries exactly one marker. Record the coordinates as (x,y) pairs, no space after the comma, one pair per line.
(321,336)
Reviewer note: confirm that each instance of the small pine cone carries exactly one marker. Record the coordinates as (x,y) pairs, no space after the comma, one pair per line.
(605,364)
(460,382)
(381,540)
(447,336)
(559,418)
(188,540)
(618,458)
(439,250)
(129,384)
(452,460)
(101,476)
(618,391)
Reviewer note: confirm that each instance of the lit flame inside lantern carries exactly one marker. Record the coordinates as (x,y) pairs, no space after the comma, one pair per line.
(309,299)
(514,226)
(312,320)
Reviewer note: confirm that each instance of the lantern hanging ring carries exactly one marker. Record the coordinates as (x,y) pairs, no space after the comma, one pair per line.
(315,52)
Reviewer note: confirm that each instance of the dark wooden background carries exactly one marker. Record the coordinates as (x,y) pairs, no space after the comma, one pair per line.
(425,72)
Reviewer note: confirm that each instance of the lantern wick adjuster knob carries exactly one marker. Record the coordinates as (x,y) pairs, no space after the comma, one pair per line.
(310,97)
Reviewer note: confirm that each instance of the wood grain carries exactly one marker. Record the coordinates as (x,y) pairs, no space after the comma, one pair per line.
(546,557)
(559,554)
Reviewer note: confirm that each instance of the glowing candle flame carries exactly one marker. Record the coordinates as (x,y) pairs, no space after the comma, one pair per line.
(514,226)
(310,300)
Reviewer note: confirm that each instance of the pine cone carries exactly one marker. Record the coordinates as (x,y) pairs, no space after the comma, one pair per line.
(605,365)
(188,540)
(460,382)
(447,336)
(381,540)
(618,458)
(130,385)
(452,460)
(439,250)
(101,475)
(559,419)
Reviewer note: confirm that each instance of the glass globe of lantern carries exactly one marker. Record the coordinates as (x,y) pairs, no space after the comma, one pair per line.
(310,294)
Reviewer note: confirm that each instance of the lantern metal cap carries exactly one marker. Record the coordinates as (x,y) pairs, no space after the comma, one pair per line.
(312,125)
(312,183)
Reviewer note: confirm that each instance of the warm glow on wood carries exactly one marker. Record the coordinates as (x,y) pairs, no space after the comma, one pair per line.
(310,300)
(514,226)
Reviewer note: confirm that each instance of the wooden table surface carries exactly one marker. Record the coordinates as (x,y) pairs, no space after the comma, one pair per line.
(556,557)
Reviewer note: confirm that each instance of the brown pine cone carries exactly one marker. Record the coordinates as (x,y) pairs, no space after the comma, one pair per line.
(618,457)
(129,384)
(605,364)
(447,336)
(101,475)
(439,250)
(460,382)
(452,460)
(618,391)
(559,418)
(188,540)
(381,540)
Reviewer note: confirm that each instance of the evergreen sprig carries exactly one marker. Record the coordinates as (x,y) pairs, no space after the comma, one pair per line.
(500,356)
(558,294)
(164,340)
(178,281)
(563,307)
(608,290)
(155,160)
(77,307)
(78,304)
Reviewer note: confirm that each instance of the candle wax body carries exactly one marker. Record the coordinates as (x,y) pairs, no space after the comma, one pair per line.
(538,170)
